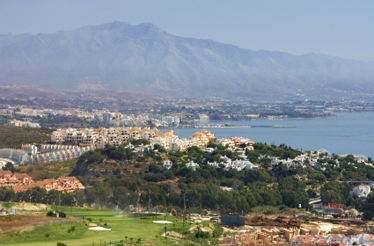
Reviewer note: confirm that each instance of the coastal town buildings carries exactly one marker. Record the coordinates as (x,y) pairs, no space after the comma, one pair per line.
(15,156)
(22,182)
(296,237)
(64,184)
(21,123)
(119,135)
(29,154)
(102,136)
(7,178)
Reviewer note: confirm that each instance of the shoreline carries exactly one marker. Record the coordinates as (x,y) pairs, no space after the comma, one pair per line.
(227,126)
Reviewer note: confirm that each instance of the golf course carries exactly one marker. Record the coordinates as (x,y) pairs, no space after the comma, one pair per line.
(123,230)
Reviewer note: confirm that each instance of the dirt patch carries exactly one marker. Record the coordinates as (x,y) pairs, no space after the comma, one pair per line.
(32,207)
(27,222)
(26,207)
(173,183)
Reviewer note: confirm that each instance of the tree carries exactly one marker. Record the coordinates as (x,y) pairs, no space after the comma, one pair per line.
(368,215)
(290,198)
(243,145)
(311,193)
(319,176)
(38,194)
(288,183)
(80,197)
(252,156)
(253,175)
(9,167)
(160,148)
(68,199)
(266,162)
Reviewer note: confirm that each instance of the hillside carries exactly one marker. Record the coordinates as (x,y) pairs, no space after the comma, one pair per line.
(14,137)
(143,58)
(48,170)
(119,176)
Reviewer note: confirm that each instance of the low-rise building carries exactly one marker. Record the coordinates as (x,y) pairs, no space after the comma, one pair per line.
(64,184)
(192,165)
(7,178)
(167,164)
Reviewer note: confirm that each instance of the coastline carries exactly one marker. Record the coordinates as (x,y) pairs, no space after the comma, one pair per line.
(347,132)
(201,124)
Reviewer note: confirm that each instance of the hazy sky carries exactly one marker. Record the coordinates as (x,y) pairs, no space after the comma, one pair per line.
(334,27)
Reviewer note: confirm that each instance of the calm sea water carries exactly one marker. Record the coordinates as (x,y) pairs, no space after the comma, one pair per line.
(348,133)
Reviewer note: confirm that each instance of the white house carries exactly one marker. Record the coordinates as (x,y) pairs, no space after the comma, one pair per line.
(192,165)
(361,191)
(167,164)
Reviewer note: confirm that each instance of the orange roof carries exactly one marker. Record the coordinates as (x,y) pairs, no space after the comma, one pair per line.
(3,173)
(336,236)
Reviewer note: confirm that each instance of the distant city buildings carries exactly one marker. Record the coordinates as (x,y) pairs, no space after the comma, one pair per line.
(20,123)
(171,120)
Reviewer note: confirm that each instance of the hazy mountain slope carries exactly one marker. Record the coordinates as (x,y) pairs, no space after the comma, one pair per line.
(143,58)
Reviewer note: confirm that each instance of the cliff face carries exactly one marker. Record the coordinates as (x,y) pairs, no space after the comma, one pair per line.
(93,163)
(143,58)
(86,164)
(82,169)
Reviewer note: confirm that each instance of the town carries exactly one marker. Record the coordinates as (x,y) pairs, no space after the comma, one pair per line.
(185,114)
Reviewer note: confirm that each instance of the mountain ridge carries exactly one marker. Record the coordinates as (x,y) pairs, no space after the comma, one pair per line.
(144,58)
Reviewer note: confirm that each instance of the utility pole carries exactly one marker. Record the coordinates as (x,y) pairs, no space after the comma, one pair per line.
(192,205)
(184,207)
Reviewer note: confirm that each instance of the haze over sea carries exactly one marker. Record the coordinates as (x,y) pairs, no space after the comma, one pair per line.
(348,133)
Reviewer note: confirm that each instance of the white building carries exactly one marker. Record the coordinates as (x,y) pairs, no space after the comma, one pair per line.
(167,164)
(325,152)
(361,191)
(192,165)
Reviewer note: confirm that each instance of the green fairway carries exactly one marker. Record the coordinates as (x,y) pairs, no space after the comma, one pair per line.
(126,229)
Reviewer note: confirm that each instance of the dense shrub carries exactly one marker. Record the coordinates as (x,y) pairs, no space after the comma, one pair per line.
(62,215)
(217,232)
(202,234)
(51,214)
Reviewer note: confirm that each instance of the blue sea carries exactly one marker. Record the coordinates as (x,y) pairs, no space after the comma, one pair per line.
(348,133)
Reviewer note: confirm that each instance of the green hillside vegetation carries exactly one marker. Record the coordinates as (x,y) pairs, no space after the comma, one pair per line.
(120,177)
(14,137)
(52,170)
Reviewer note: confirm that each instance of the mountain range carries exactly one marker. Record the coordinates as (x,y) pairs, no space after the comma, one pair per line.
(142,58)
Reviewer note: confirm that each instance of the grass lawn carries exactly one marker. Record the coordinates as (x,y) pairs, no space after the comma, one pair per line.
(125,229)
